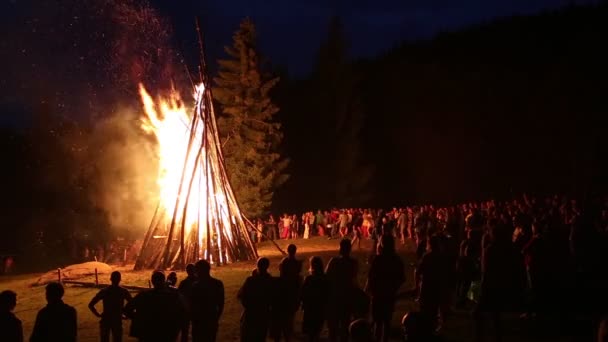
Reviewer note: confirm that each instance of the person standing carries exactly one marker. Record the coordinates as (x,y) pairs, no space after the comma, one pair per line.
(185,286)
(402,225)
(272,228)
(185,290)
(57,320)
(386,275)
(206,303)
(11,329)
(314,300)
(341,275)
(288,295)
(311,222)
(287,222)
(307,225)
(113,298)
(256,297)
(320,222)
(343,223)
(431,277)
(157,315)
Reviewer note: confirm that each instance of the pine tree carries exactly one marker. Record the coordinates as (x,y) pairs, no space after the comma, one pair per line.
(337,100)
(249,132)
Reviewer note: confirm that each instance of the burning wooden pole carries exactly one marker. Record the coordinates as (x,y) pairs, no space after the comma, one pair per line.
(198,196)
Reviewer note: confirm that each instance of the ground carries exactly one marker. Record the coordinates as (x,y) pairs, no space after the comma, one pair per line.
(31,299)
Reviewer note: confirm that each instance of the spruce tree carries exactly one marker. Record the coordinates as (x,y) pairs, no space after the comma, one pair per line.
(336,98)
(249,132)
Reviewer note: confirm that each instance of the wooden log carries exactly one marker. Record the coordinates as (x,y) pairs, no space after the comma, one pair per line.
(100,286)
(166,260)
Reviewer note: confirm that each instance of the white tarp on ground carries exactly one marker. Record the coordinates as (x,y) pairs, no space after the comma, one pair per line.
(75,271)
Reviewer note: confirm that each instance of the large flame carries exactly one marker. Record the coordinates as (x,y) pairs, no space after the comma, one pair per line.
(194,192)
(169,121)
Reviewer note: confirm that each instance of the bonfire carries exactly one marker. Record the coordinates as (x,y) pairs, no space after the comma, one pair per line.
(197,215)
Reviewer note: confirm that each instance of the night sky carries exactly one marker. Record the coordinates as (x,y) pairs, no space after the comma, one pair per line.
(290,31)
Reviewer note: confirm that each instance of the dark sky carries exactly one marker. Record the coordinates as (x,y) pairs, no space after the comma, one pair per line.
(290,30)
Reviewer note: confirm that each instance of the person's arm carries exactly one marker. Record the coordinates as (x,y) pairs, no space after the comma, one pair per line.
(421,269)
(329,269)
(220,309)
(371,276)
(94,301)
(19,332)
(242,295)
(37,333)
(401,273)
(129,309)
(304,293)
(73,326)
(128,296)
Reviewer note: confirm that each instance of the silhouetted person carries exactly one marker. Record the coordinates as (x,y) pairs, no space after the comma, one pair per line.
(256,296)
(502,280)
(113,299)
(467,268)
(287,296)
(172,280)
(385,277)
(10,326)
(431,274)
(206,303)
(57,320)
(341,274)
(602,331)
(417,327)
(185,286)
(314,300)
(157,314)
(185,289)
(360,331)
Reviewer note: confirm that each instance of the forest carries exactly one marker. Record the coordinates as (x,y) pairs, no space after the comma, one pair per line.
(505,107)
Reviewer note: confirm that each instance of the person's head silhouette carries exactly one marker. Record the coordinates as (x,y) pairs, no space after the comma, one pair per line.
(316,265)
(345,247)
(172,279)
(54,292)
(360,331)
(8,301)
(190,270)
(158,279)
(291,250)
(417,326)
(203,268)
(263,264)
(387,245)
(115,278)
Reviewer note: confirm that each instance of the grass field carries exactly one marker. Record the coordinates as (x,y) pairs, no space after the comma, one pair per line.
(31,299)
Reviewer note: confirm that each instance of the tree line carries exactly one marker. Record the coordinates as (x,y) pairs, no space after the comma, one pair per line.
(505,107)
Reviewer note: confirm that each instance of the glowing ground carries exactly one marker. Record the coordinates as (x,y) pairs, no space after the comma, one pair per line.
(31,299)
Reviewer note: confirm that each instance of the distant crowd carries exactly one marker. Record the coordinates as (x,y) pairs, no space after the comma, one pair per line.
(544,259)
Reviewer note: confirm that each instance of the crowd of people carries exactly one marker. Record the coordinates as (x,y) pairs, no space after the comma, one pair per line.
(544,259)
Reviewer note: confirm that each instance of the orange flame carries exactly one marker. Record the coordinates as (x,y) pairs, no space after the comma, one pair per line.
(169,121)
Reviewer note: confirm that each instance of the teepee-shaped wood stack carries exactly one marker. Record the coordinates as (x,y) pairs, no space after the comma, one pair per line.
(205,221)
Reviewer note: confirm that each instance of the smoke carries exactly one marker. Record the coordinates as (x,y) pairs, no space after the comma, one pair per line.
(126,171)
(82,60)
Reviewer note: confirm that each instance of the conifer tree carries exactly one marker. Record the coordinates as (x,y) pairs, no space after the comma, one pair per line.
(249,132)
(336,99)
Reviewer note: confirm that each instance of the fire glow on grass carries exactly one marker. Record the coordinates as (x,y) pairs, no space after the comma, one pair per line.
(197,215)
